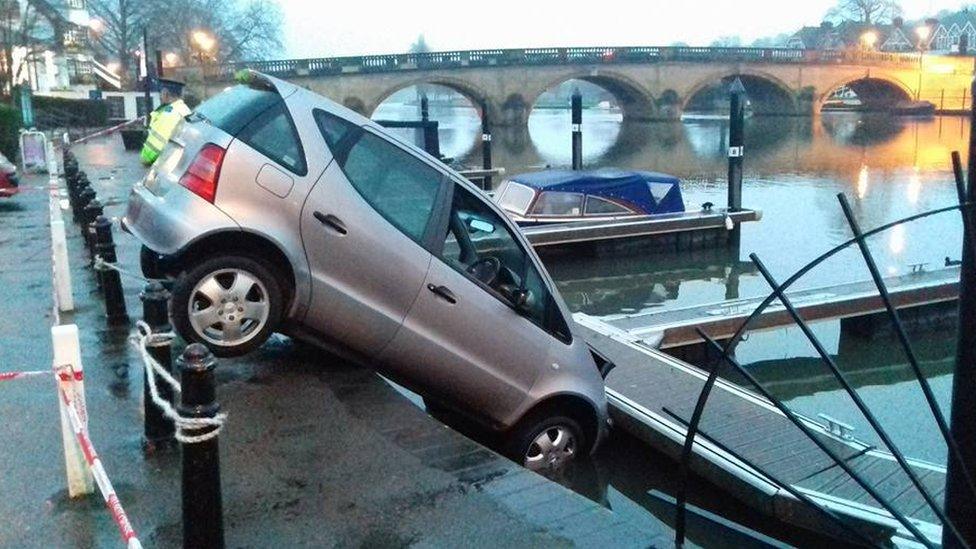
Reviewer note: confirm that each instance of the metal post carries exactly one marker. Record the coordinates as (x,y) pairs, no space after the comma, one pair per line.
(159,63)
(486,183)
(147,93)
(737,113)
(202,503)
(85,196)
(111,281)
(159,429)
(424,107)
(577,114)
(960,503)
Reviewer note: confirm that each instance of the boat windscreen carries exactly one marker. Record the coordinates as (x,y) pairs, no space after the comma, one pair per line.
(516,198)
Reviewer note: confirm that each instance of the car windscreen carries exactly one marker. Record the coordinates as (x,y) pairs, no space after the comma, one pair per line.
(516,198)
(232,109)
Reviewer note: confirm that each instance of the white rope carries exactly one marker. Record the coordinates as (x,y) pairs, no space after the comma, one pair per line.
(143,339)
(100,264)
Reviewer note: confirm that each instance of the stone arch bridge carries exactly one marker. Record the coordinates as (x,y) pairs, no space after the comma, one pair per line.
(649,83)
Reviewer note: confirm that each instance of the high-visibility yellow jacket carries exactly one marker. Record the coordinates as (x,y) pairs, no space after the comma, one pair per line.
(162,123)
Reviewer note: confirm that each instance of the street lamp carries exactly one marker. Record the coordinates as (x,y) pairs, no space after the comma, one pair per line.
(96,25)
(204,40)
(923,33)
(869,39)
(171,59)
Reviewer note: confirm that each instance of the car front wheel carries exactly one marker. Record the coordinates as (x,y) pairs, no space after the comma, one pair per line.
(547,445)
(231,304)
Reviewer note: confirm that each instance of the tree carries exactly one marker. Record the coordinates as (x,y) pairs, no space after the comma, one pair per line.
(20,28)
(243,29)
(122,22)
(868,12)
(777,41)
(726,42)
(420,46)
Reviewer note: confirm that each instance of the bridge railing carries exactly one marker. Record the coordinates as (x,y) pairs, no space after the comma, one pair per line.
(560,56)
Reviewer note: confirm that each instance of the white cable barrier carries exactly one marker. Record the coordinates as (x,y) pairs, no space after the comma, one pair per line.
(143,339)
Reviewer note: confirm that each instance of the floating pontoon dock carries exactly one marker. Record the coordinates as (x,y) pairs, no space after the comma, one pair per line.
(646,381)
(672,328)
(675,231)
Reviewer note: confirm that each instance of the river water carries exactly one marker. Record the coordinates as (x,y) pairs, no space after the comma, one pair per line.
(889,168)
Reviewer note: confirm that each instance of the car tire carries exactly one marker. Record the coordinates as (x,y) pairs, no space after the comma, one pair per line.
(546,443)
(231,304)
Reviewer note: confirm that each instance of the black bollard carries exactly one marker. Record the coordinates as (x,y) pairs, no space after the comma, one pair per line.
(159,429)
(737,111)
(110,278)
(90,213)
(486,183)
(86,195)
(577,108)
(203,518)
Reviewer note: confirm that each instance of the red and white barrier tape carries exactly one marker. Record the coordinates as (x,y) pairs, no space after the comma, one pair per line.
(10,376)
(107,131)
(98,472)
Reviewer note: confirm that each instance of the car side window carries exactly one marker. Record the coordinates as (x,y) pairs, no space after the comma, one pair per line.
(273,134)
(400,187)
(479,244)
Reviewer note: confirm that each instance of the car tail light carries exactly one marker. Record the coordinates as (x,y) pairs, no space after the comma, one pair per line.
(202,175)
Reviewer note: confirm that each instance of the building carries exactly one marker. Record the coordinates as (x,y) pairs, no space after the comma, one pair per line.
(56,56)
(949,30)
(853,35)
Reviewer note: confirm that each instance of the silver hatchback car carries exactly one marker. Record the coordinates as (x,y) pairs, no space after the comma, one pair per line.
(275,209)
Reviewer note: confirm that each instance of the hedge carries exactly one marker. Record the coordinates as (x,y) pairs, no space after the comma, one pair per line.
(9,131)
(59,112)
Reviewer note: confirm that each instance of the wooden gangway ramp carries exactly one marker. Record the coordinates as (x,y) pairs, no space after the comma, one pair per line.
(679,327)
(647,381)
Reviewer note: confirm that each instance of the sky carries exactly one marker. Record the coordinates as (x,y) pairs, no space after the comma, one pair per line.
(320,28)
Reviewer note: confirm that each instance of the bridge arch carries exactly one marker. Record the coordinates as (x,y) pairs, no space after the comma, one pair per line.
(768,95)
(470,91)
(635,100)
(876,91)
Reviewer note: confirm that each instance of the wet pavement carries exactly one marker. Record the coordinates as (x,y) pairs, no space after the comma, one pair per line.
(316,452)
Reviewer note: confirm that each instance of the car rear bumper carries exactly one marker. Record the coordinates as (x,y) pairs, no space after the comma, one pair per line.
(166,223)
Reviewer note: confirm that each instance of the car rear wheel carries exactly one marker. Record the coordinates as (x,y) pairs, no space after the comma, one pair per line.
(547,444)
(231,304)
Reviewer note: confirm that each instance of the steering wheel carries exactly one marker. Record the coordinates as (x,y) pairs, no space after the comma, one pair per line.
(485,269)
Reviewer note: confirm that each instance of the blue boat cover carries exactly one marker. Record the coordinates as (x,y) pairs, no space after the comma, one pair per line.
(647,192)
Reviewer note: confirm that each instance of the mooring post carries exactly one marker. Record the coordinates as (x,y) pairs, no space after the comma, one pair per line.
(159,429)
(486,183)
(737,111)
(960,503)
(111,280)
(424,107)
(203,524)
(577,107)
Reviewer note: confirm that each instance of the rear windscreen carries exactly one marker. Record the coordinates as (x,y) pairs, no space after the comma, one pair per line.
(232,109)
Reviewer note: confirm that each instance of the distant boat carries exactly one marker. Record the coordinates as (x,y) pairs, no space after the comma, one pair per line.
(913,108)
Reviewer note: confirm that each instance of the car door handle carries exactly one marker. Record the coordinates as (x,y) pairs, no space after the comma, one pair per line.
(331,221)
(442,291)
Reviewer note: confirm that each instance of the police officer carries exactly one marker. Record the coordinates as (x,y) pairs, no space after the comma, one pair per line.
(163,120)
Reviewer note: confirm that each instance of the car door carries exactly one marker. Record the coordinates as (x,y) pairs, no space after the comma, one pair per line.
(464,341)
(364,226)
